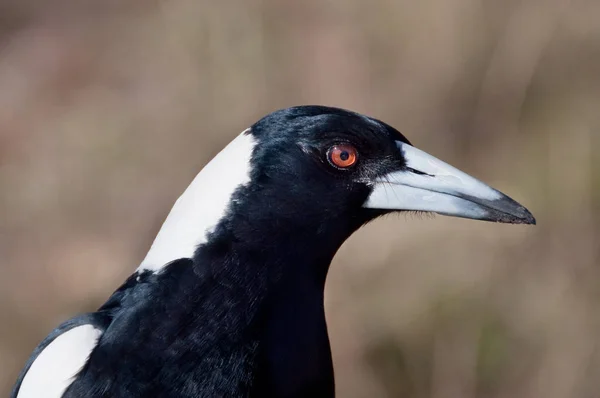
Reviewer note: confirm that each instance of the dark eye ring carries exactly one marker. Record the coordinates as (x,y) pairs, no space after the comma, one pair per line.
(342,156)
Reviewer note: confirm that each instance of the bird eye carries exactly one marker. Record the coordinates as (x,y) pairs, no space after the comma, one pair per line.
(342,156)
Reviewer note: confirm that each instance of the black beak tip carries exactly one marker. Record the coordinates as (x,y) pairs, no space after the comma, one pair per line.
(523,215)
(528,219)
(531,220)
(503,210)
(518,215)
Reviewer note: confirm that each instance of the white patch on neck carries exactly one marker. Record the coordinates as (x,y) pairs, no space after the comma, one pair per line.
(52,372)
(203,204)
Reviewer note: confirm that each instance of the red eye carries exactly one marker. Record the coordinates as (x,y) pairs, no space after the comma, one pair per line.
(342,156)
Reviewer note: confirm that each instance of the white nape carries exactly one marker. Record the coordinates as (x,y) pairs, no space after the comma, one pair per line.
(52,372)
(203,204)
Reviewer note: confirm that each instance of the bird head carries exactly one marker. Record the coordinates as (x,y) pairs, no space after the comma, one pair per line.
(360,163)
(323,172)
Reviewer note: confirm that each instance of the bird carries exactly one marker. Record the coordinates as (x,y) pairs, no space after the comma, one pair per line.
(228,301)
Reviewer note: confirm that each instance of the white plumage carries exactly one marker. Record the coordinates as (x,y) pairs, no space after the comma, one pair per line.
(53,370)
(199,209)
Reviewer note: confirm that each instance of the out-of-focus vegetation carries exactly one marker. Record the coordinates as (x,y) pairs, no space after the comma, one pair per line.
(109,108)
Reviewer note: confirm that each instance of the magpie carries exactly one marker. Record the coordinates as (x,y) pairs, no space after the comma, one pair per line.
(228,302)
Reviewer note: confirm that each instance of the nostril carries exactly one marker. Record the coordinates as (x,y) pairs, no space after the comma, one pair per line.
(422,173)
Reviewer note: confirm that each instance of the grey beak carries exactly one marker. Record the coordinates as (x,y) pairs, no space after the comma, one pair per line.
(428,184)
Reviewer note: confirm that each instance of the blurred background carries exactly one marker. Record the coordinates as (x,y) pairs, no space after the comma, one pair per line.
(109,108)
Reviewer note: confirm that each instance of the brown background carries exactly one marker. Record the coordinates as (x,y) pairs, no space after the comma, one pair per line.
(109,108)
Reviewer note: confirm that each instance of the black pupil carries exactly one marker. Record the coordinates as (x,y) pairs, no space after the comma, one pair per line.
(344,155)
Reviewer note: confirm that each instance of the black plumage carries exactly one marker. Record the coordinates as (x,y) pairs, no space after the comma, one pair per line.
(244,316)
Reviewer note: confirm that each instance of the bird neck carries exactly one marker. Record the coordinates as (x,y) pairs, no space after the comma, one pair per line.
(295,357)
(263,268)
(278,278)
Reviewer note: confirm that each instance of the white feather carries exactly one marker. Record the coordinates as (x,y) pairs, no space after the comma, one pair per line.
(53,370)
(202,205)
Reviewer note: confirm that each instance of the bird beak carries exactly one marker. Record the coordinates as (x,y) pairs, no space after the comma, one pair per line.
(428,184)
